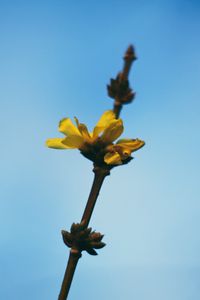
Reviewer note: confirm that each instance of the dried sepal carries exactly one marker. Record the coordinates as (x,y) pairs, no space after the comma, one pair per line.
(67,238)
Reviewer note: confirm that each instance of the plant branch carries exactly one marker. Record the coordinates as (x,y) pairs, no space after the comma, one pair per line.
(75,254)
(122,94)
(100,174)
(69,273)
(129,57)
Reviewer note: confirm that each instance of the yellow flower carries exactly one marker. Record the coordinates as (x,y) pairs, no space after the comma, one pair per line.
(122,150)
(98,144)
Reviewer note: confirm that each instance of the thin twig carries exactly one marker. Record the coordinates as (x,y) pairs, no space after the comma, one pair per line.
(129,57)
(99,176)
(117,108)
(69,273)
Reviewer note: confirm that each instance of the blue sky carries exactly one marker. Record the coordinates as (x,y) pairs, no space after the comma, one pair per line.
(56,58)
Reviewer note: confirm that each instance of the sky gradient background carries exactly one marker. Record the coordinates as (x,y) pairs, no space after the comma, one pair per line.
(56,58)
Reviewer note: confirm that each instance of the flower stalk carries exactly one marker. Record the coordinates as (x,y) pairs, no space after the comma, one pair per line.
(99,175)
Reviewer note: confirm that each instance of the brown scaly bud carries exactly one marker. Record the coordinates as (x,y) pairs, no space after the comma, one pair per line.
(119,90)
(130,54)
(82,238)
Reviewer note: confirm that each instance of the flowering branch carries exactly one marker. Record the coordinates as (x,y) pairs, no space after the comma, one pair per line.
(98,146)
(76,247)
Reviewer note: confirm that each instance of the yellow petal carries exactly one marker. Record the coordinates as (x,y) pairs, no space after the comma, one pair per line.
(112,131)
(83,130)
(68,128)
(56,143)
(126,152)
(77,121)
(112,158)
(105,119)
(133,145)
(73,141)
(123,151)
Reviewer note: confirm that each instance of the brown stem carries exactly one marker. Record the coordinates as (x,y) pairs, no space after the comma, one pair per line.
(117,108)
(100,174)
(129,57)
(69,273)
